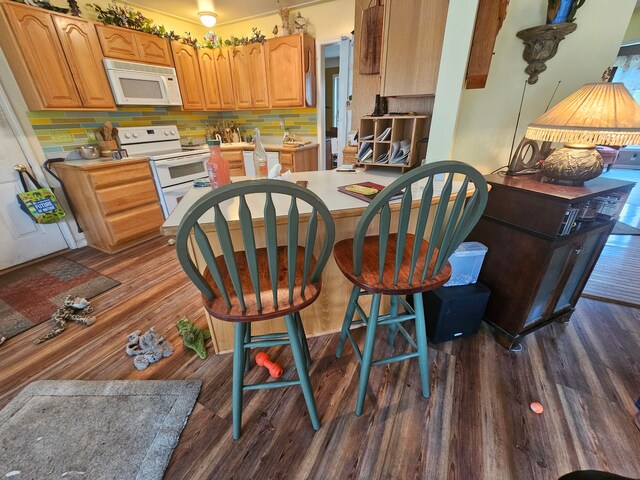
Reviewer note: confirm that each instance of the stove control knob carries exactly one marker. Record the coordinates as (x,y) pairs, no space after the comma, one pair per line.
(173,133)
(166,133)
(127,135)
(135,134)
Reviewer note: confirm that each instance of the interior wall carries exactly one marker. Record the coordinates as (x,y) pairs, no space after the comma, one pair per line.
(488,116)
(324,21)
(632,35)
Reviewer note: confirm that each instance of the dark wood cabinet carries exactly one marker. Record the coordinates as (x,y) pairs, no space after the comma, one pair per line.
(536,269)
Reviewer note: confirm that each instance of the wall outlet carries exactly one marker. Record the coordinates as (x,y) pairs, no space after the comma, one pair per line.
(62,137)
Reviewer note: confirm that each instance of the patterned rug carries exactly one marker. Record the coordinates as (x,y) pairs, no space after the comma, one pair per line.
(29,295)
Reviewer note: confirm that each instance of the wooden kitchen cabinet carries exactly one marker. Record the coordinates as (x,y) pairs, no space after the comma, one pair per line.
(225,78)
(210,87)
(258,76)
(29,39)
(115,202)
(290,62)
(301,159)
(235,159)
(535,273)
(126,44)
(240,71)
(82,50)
(402,46)
(189,77)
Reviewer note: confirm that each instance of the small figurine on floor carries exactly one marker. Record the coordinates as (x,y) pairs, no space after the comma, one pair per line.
(193,337)
(147,348)
(74,310)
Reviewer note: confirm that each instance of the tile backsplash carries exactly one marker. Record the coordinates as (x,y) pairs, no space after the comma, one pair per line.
(63,131)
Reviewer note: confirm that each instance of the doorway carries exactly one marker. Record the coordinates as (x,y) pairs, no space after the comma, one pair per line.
(335,79)
(21,238)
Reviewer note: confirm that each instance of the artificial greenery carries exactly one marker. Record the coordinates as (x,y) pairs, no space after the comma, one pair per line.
(127,17)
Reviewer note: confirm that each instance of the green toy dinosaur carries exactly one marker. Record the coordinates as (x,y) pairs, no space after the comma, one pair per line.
(193,337)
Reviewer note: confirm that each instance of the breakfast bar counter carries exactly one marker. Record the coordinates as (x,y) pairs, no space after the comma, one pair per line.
(325,315)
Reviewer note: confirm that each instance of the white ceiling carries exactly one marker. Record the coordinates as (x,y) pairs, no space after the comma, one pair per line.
(228,11)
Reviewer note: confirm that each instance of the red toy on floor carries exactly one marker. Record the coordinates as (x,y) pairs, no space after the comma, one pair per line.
(275,370)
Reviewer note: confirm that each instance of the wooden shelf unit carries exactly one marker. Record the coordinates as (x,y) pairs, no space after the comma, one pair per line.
(403,127)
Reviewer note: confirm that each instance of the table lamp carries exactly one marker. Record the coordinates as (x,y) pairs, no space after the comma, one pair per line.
(596,114)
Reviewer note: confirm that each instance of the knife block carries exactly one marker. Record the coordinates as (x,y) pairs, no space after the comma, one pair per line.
(107,146)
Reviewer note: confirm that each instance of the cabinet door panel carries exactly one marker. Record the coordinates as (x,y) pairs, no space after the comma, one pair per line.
(225,78)
(82,50)
(209,79)
(258,76)
(188,73)
(241,76)
(135,222)
(153,49)
(403,18)
(118,42)
(284,70)
(36,34)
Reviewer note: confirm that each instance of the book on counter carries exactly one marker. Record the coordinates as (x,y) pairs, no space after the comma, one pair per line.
(366,191)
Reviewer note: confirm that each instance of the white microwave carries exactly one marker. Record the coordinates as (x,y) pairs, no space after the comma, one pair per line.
(141,84)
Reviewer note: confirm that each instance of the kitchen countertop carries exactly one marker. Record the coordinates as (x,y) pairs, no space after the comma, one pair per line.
(268,147)
(323,183)
(102,162)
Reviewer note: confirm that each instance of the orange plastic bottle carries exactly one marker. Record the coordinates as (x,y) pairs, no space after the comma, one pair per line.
(217,166)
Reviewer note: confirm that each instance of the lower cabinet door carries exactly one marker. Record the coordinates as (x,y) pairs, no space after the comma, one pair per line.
(134,223)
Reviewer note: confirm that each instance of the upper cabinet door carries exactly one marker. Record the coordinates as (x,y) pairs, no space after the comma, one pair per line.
(118,42)
(82,49)
(188,73)
(284,67)
(240,72)
(258,76)
(400,48)
(153,49)
(209,79)
(41,50)
(225,78)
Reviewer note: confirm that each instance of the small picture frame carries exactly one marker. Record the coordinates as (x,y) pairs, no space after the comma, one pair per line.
(124,153)
(115,155)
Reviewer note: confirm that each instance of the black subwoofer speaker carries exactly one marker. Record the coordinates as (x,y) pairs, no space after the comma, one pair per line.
(454,312)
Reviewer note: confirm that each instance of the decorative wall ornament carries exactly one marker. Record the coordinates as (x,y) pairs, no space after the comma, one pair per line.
(541,44)
(283,11)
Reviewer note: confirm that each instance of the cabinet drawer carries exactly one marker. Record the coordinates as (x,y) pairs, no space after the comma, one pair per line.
(134,223)
(124,197)
(233,156)
(286,158)
(120,174)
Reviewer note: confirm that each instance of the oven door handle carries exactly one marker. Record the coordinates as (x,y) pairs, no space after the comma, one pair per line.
(181,161)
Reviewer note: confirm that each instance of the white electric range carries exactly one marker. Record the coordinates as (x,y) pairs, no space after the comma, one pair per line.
(174,168)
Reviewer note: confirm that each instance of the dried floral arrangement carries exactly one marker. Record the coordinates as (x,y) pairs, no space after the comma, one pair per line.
(127,17)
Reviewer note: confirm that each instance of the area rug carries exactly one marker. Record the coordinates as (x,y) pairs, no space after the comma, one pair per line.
(29,295)
(623,229)
(615,277)
(94,429)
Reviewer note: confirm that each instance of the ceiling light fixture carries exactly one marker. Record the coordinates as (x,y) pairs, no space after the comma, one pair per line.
(208,19)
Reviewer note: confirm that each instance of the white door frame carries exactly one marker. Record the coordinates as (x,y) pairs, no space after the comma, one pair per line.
(321,103)
(30,156)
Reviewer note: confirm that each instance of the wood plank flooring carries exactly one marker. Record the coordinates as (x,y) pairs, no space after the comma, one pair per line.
(476,425)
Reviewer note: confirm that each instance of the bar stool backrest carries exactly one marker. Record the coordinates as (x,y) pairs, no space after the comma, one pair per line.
(212,201)
(450,226)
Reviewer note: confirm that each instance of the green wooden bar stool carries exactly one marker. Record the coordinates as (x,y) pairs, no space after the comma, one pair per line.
(259,283)
(406,263)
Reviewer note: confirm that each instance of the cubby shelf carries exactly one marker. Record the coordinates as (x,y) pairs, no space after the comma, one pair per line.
(409,128)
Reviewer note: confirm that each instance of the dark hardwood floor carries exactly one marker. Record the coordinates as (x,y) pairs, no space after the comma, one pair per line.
(476,425)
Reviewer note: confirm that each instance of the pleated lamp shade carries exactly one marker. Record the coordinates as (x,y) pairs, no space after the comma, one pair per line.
(597,113)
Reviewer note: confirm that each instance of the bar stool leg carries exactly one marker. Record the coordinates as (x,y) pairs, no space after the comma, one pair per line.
(348,317)
(421,337)
(393,312)
(247,355)
(367,354)
(303,373)
(238,372)
(303,339)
